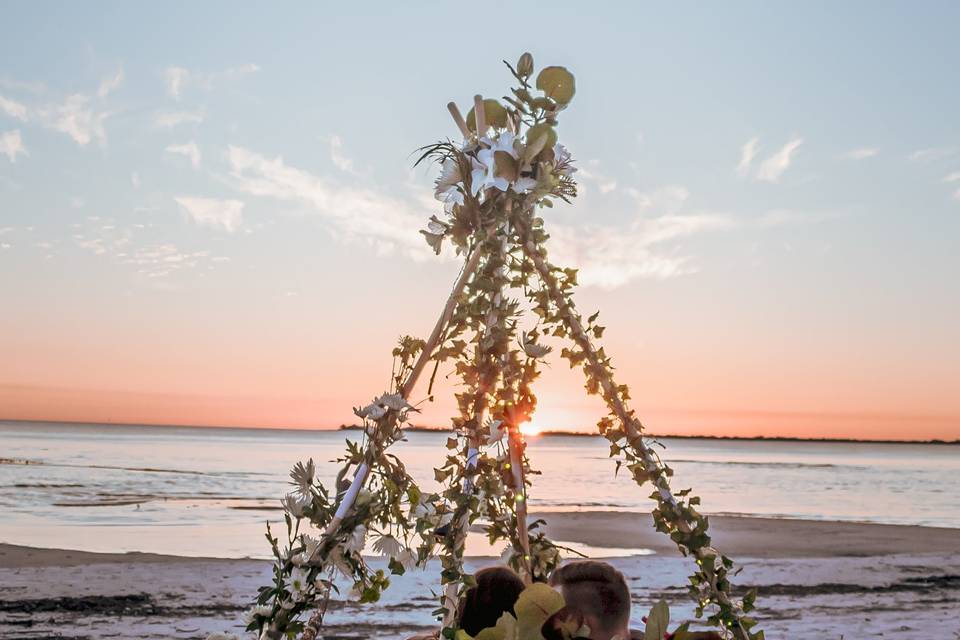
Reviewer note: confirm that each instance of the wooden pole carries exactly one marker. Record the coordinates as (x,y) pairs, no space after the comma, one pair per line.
(516,446)
(458,119)
(360,476)
(480,114)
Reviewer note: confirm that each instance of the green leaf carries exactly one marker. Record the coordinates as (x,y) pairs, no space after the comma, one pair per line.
(535,604)
(557,83)
(534,134)
(657,621)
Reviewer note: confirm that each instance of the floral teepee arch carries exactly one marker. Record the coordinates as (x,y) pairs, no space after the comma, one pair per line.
(493,184)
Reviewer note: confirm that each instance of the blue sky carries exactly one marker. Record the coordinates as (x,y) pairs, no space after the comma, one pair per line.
(213,205)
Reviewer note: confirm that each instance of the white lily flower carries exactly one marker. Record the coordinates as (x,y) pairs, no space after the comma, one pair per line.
(563,160)
(524,185)
(505,142)
(490,179)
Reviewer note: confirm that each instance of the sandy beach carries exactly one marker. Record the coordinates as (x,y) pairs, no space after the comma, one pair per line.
(822,579)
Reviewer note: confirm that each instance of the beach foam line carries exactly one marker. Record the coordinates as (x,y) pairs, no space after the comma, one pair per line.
(25,461)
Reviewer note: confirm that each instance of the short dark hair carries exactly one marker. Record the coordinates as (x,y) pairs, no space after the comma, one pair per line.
(496,592)
(596,589)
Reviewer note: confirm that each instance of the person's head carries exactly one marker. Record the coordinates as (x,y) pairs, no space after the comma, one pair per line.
(495,594)
(600,592)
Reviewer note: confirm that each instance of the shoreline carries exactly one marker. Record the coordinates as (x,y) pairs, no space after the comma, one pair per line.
(736,536)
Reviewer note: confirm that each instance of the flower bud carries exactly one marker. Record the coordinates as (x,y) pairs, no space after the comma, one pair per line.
(525,65)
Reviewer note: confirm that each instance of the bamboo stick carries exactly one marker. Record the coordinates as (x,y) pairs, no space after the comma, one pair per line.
(480,114)
(629,422)
(520,499)
(458,119)
(360,476)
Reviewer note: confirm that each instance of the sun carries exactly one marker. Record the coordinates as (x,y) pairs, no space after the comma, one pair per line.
(531,428)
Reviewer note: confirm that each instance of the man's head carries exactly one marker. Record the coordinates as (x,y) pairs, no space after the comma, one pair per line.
(600,592)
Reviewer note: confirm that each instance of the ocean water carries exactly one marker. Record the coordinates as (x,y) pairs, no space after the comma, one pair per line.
(208,492)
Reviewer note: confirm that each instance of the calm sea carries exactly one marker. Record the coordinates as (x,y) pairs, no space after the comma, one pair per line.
(189,491)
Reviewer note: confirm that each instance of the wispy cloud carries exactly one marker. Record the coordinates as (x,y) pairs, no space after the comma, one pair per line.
(773,167)
(354,214)
(173,119)
(13,109)
(175,79)
(178,79)
(589,172)
(770,169)
(952,177)
(340,161)
(189,149)
(747,153)
(109,84)
(930,154)
(78,118)
(11,145)
(212,212)
(612,256)
(862,153)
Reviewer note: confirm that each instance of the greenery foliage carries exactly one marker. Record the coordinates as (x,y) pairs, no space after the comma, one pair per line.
(493,186)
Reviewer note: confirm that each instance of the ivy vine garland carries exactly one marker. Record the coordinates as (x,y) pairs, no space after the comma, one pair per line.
(492,185)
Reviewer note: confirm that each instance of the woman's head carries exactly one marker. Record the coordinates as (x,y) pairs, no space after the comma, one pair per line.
(495,594)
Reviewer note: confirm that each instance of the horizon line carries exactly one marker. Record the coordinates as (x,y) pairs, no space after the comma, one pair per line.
(546,433)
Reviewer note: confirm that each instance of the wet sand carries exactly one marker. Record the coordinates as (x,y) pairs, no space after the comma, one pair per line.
(821,579)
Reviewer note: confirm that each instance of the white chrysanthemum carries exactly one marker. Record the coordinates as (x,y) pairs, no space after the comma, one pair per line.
(294,504)
(534,350)
(448,186)
(257,610)
(357,539)
(407,558)
(496,430)
(340,562)
(424,509)
(387,545)
(302,476)
(298,584)
(394,401)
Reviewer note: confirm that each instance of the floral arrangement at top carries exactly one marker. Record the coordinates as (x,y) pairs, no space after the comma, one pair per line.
(508,167)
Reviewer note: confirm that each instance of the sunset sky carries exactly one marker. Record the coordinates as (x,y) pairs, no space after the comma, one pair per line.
(209,214)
